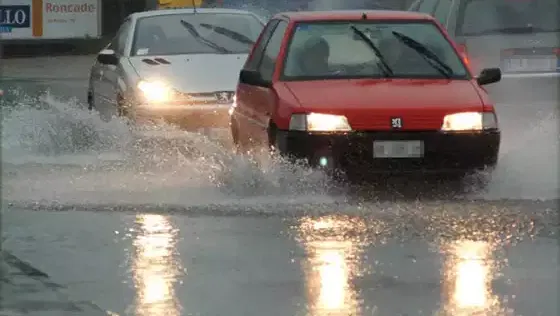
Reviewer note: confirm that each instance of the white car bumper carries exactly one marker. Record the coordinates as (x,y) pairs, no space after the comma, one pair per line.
(190,117)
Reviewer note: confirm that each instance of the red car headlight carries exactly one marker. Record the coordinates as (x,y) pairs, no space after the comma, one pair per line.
(317,122)
(469,121)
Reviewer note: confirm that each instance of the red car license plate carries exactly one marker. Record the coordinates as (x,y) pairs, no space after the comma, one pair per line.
(398,149)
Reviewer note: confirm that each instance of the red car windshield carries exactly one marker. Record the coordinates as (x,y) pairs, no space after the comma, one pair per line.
(486,17)
(358,49)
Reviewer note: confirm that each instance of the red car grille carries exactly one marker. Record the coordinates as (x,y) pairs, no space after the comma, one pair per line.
(382,122)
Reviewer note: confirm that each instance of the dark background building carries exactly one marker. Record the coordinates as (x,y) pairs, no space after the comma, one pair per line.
(114,12)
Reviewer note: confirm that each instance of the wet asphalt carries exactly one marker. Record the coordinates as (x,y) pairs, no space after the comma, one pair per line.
(353,254)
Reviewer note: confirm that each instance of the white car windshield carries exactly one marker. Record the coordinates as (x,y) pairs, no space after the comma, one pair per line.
(486,17)
(358,49)
(195,33)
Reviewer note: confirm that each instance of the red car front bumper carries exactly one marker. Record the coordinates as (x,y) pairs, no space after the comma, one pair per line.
(442,152)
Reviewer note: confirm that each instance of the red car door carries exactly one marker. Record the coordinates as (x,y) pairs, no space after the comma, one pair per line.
(255,102)
(243,115)
(263,98)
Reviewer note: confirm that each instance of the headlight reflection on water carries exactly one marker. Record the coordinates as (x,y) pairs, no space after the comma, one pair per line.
(332,263)
(332,272)
(469,269)
(471,288)
(155,268)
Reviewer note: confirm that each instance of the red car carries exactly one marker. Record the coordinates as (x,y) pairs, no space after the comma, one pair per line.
(366,91)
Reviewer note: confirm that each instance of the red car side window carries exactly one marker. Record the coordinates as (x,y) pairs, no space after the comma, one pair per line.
(268,60)
(257,53)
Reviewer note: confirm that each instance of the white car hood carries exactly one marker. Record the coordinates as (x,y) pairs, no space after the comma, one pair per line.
(193,73)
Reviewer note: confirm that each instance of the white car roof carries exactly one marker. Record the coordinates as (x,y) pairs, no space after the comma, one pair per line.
(171,11)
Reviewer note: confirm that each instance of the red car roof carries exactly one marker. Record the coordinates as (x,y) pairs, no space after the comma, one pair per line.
(354,15)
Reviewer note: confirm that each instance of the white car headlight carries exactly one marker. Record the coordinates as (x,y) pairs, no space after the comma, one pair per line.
(155,91)
(316,122)
(469,121)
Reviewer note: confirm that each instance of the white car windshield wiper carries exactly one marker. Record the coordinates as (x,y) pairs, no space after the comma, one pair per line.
(229,33)
(427,54)
(203,40)
(387,71)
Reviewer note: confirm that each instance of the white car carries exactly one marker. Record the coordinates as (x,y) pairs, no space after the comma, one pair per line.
(176,65)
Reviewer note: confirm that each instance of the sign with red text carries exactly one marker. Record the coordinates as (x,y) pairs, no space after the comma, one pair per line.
(50,19)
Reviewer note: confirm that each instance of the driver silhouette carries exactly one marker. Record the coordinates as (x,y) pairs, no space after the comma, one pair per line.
(314,56)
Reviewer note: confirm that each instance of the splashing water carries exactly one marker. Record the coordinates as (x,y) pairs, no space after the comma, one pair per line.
(528,166)
(56,151)
(43,127)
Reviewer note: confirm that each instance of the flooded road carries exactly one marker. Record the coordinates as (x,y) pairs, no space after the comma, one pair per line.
(138,227)
(455,261)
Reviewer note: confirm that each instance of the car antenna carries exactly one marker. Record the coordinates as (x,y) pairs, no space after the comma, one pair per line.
(194,6)
(364,16)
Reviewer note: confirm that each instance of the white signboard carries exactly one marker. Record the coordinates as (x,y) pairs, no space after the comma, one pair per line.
(49,19)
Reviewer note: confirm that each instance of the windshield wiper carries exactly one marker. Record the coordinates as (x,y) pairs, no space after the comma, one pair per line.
(427,54)
(387,71)
(203,40)
(229,33)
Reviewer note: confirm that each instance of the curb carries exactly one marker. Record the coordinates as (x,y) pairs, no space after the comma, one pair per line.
(23,266)
(40,79)
(62,304)
(56,48)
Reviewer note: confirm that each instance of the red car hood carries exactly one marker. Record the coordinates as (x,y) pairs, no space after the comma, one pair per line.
(369,104)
